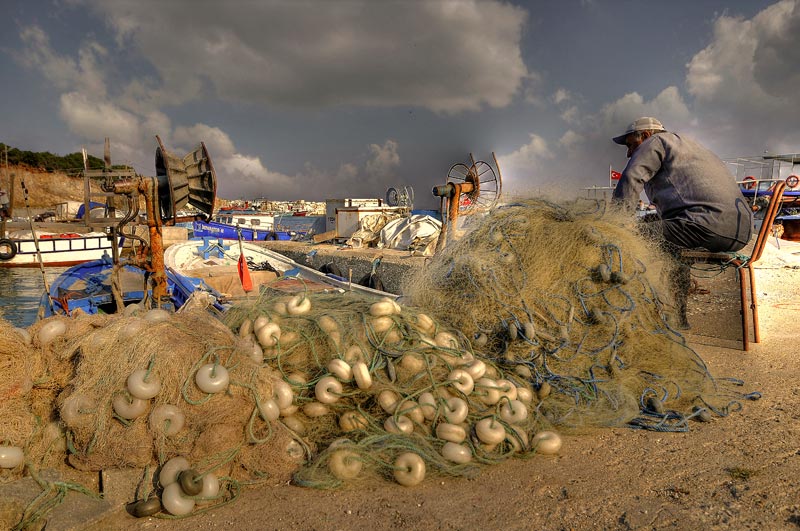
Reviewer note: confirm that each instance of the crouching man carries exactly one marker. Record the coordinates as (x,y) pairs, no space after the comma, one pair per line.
(698,202)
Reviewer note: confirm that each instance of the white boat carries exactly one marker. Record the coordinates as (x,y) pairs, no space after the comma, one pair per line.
(756,177)
(18,248)
(216,262)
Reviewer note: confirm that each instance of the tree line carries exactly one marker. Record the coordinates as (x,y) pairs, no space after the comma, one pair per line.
(44,160)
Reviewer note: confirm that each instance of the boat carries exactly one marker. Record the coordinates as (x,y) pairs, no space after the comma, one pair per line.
(255,225)
(64,236)
(215,262)
(757,176)
(202,268)
(108,283)
(19,248)
(87,288)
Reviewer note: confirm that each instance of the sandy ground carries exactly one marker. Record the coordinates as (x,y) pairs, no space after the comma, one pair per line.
(737,472)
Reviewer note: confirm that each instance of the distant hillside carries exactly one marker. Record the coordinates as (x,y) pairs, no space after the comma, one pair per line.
(50,179)
(45,189)
(44,160)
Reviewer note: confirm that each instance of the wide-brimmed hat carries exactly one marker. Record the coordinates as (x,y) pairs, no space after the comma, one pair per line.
(645,123)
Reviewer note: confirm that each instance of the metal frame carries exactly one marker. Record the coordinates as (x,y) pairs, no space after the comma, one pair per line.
(733,259)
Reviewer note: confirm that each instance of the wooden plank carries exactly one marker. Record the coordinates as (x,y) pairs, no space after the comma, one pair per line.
(324,237)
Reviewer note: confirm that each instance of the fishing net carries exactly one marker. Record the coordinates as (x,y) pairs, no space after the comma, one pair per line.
(380,389)
(577,298)
(17,422)
(80,406)
(542,317)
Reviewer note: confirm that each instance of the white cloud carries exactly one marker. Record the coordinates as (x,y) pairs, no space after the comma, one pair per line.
(533,88)
(570,139)
(347,172)
(522,169)
(570,115)
(447,56)
(93,119)
(132,121)
(84,75)
(581,156)
(668,106)
(561,95)
(384,161)
(745,82)
(215,139)
(240,175)
(155,123)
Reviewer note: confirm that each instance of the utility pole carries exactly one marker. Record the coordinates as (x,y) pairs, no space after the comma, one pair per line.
(10,180)
(9,191)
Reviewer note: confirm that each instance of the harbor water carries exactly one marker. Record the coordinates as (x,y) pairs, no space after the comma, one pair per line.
(21,289)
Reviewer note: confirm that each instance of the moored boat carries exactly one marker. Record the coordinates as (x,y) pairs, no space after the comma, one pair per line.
(19,248)
(215,261)
(255,225)
(757,176)
(89,288)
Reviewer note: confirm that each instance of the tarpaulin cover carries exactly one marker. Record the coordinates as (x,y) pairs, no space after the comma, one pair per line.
(414,231)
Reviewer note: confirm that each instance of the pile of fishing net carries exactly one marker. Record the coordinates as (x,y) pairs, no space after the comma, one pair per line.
(321,388)
(577,298)
(154,391)
(383,389)
(541,317)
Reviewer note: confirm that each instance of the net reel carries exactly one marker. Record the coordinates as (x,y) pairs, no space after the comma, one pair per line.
(184,180)
(180,181)
(400,197)
(470,189)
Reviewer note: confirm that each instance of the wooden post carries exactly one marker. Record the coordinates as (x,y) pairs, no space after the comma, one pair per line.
(9,180)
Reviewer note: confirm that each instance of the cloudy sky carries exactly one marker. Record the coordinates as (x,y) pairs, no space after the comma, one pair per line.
(319,99)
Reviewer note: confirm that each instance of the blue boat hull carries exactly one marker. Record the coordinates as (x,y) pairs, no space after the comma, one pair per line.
(291,228)
(213,229)
(87,287)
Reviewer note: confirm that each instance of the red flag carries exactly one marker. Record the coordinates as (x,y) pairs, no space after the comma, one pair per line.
(244,273)
(615,175)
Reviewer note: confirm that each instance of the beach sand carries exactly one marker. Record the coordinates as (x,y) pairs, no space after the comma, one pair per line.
(737,472)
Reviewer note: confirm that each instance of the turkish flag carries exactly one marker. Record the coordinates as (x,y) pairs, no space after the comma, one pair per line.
(615,175)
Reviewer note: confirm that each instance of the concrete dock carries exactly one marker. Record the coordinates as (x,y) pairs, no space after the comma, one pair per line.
(353,263)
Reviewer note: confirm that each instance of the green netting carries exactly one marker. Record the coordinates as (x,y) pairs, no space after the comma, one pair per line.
(421,374)
(541,317)
(574,295)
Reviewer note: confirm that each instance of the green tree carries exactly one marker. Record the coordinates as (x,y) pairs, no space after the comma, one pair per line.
(70,163)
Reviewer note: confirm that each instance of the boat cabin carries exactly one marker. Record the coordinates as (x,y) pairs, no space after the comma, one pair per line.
(251,219)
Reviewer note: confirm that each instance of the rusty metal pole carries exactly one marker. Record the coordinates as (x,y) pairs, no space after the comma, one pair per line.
(156,242)
(149,188)
(452,206)
(445,191)
(453,192)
